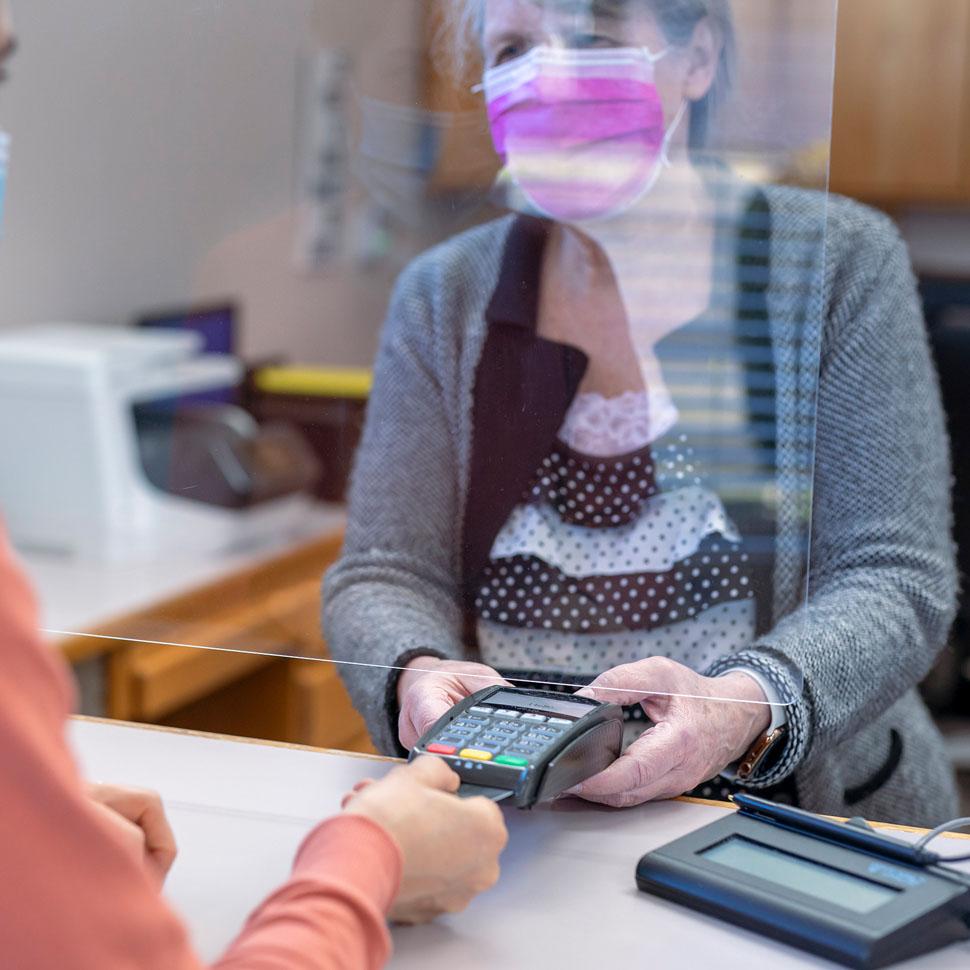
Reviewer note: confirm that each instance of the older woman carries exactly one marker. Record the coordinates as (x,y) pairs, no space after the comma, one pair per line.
(532,490)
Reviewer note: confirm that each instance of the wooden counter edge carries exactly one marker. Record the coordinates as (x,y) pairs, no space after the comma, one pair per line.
(211,736)
(709,803)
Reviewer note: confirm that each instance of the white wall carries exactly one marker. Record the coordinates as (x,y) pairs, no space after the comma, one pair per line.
(153,162)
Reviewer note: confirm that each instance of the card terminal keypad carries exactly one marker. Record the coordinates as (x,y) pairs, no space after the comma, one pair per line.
(503,736)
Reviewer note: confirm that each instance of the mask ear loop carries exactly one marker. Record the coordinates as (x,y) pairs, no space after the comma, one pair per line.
(671,131)
(4,165)
(659,56)
(663,161)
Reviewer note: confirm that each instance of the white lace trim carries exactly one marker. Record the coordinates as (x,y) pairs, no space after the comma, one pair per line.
(603,427)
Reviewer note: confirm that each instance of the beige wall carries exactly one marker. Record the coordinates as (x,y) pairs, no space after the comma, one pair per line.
(154,164)
(153,156)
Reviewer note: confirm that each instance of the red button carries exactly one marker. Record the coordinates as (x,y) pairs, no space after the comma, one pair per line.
(441,749)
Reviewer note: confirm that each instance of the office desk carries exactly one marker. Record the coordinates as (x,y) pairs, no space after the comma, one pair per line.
(566,897)
(258,605)
(89,596)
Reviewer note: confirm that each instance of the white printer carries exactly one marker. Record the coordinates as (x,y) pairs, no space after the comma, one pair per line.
(100,460)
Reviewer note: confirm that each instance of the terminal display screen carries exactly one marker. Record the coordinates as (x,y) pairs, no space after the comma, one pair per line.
(568,708)
(816,880)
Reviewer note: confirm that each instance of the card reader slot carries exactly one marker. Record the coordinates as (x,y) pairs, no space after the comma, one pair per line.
(467,790)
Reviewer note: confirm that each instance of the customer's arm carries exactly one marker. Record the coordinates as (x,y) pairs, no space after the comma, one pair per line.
(882,581)
(73,894)
(394,594)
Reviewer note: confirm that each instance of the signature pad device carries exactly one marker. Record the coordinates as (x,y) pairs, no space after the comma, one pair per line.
(839,890)
(528,745)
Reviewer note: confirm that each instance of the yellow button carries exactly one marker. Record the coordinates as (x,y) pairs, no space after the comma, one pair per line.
(475,754)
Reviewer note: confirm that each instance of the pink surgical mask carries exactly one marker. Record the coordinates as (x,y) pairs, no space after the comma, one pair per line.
(580,131)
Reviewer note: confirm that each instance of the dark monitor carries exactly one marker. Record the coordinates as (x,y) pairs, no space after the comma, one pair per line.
(216,323)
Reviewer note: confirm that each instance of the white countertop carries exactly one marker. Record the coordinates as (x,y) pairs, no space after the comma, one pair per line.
(76,594)
(566,897)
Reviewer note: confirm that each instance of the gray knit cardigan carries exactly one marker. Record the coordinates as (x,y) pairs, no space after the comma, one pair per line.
(882,581)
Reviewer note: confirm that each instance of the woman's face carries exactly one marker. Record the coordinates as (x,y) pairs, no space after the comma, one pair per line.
(513,27)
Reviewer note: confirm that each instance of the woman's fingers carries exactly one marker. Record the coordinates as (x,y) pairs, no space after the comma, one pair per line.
(427,702)
(406,733)
(643,768)
(625,774)
(470,683)
(667,787)
(633,683)
(436,691)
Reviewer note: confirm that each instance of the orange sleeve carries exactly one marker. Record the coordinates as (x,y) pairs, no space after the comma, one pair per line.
(71,895)
(345,878)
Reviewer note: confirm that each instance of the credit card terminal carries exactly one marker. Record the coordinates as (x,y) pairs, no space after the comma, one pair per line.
(527,745)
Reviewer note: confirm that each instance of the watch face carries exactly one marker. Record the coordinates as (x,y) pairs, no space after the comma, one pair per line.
(761,752)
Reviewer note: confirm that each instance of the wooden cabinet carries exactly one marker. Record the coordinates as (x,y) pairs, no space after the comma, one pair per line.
(258,666)
(901,122)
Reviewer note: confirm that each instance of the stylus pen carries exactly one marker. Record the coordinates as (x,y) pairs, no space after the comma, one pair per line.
(797,820)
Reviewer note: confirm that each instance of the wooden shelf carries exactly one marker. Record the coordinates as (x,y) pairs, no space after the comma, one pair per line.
(242,655)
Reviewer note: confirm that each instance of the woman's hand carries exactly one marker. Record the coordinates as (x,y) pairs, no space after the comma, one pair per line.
(701,725)
(430,687)
(138,820)
(450,845)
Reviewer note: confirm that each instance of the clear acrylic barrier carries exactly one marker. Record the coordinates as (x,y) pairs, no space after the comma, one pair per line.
(591,425)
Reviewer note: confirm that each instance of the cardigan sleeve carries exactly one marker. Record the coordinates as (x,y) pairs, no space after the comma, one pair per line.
(882,579)
(394,593)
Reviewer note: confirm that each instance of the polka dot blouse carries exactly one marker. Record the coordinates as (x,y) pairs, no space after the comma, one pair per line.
(609,558)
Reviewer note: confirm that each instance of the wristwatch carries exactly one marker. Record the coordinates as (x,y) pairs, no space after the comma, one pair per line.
(771,742)
(759,754)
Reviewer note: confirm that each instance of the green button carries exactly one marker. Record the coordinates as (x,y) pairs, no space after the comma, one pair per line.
(512,760)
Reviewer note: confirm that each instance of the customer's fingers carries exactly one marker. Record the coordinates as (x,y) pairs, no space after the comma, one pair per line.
(434,773)
(126,833)
(355,791)
(495,834)
(145,809)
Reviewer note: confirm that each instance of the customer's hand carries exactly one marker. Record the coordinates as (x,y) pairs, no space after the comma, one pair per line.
(138,820)
(450,845)
(701,725)
(430,687)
